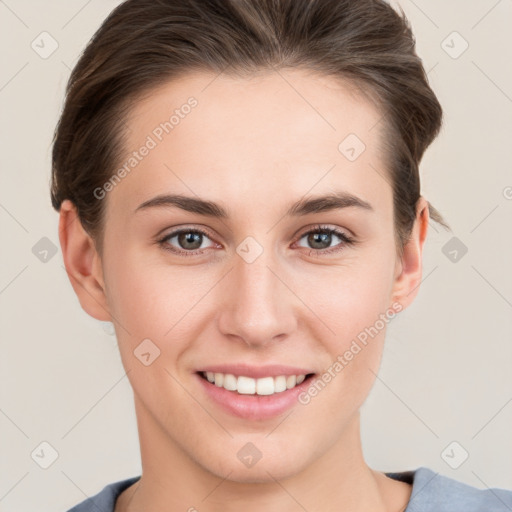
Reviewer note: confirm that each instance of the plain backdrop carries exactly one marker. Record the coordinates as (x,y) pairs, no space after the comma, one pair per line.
(444,390)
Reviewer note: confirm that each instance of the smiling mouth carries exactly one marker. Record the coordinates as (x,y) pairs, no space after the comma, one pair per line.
(244,385)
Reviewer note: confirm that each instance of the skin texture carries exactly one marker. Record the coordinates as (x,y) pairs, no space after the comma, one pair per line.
(254,145)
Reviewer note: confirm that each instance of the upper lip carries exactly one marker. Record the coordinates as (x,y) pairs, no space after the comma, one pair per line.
(256,372)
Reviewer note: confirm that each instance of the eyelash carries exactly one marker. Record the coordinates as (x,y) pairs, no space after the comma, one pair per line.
(346,240)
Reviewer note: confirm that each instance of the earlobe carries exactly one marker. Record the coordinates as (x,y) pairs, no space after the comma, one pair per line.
(407,282)
(82,262)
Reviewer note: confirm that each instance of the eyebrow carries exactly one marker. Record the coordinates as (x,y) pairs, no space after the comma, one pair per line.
(316,204)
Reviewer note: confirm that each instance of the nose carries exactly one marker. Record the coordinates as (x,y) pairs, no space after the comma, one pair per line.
(258,308)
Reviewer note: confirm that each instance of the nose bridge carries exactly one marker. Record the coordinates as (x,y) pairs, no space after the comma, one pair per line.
(259,306)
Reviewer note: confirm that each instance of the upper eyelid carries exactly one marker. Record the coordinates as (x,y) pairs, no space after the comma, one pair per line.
(186,229)
(325,227)
(315,227)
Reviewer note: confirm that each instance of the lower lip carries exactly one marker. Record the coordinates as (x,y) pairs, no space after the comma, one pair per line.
(253,407)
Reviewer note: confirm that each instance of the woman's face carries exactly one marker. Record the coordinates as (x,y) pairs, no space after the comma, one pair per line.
(263,286)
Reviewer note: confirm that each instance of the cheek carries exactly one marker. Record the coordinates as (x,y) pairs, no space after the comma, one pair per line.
(348,298)
(150,297)
(154,310)
(161,303)
(354,308)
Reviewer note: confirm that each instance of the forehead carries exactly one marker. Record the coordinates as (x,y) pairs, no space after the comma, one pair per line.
(220,136)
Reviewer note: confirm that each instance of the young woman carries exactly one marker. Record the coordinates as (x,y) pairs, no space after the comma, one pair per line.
(239,194)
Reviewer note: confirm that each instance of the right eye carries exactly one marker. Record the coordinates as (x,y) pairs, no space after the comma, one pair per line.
(189,241)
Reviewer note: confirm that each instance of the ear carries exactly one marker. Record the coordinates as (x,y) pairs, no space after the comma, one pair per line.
(408,278)
(83,263)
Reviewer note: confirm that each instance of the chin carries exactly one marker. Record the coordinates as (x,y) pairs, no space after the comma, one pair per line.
(258,474)
(247,464)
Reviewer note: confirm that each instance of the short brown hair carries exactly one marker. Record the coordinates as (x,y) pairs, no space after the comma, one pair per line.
(144,43)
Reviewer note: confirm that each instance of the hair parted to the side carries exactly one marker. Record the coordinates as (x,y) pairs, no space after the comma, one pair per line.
(144,43)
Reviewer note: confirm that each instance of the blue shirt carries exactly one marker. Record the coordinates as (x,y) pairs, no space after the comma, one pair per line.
(431,492)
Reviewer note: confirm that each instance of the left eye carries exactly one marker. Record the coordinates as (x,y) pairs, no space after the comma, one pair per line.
(321,238)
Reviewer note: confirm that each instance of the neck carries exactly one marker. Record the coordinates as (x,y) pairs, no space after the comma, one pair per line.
(337,480)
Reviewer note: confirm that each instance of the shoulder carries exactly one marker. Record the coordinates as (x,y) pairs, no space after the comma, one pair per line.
(434,492)
(105,500)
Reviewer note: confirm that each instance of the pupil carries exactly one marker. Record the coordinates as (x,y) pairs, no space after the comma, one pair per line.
(320,238)
(189,238)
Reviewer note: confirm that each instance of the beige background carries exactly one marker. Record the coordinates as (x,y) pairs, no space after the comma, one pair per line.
(446,373)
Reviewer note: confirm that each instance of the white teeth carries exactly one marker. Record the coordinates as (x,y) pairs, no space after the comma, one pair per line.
(265,386)
(246,385)
(219,379)
(249,386)
(280,384)
(291,381)
(230,382)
